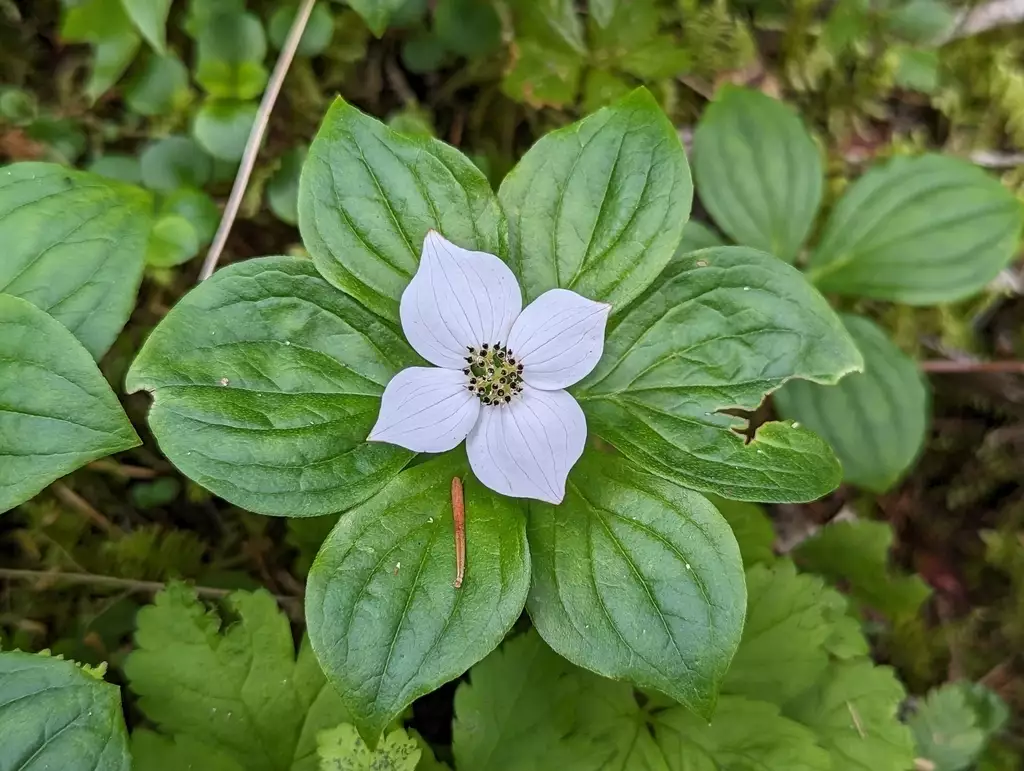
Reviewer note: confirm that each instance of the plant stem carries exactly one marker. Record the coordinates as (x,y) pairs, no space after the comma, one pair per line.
(942,366)
(73,500)
(252,145)
(128,584)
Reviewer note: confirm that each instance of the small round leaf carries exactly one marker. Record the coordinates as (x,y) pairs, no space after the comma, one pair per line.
(222,128)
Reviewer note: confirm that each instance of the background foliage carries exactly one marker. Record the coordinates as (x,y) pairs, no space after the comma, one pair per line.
(900,594)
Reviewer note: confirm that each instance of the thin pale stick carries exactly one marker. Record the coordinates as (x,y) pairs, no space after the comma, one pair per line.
(252,145)
(459,515)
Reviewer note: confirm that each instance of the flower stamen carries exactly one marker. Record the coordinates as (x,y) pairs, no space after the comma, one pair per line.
(493,373)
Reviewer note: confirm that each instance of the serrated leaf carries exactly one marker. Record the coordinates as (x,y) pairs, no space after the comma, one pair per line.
(150,18)
(846,639)
(238,688)
(853,713)
(341,749)
(781,654)
(153,752)
(376,13)
(222,128)
(752,528)
(875,420)
(856,554)
(57,412)
(919,231)
(383,616)
(724,327)
(758,171)
(598,207)
(229,56)
(74,245)
(743,735)
(515,709)
(266,382)
(948,729)
(368,195)
(56,715)
(637,579)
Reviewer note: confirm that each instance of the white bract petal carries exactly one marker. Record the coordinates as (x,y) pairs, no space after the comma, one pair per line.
(526,448)
(457,299)
(426,409)
(559,338)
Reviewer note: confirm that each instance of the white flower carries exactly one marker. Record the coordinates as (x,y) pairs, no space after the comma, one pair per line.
(500,372)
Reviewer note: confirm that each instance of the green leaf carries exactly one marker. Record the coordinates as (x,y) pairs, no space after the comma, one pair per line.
(548,55)
(58,715)
(172,242)
(120,168)
(368,195)
(637,579)
(918,231)
(195,206)
(222,128)
(601,88)
(73,245)
(153,752)
(318,33)
(697,235)
(856,555)
(918,69)
(383,616)
(515,709)
(853,713)
(377,13)
(91,21)
(752,528)
(266,382)
(237,688)
(150,18)
(603,11)
(111,57)
(598,207)
(230,52)
(781,654)
(725,327)
(758,172)
(919,21)
(743,735)
(467,27)
(175,162)
(160,87)
(948,729)
(341,749)
(283,187)
(876,420)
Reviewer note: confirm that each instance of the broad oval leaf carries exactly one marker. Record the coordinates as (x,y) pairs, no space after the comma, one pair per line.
(57,715)
(266,382)
(919,231)
(598,207)
(74,245)
(875,420)
(635,578)
(727,326)
(56,411)
(758,171)
(384,619)
(368,195)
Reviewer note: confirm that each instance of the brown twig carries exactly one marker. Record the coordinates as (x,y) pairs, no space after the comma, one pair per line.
(459,515)
(133,585)
(70,498)
(122,470)
(945,366)
(252,145)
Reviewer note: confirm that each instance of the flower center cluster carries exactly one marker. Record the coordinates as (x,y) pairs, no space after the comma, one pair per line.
(494,374)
